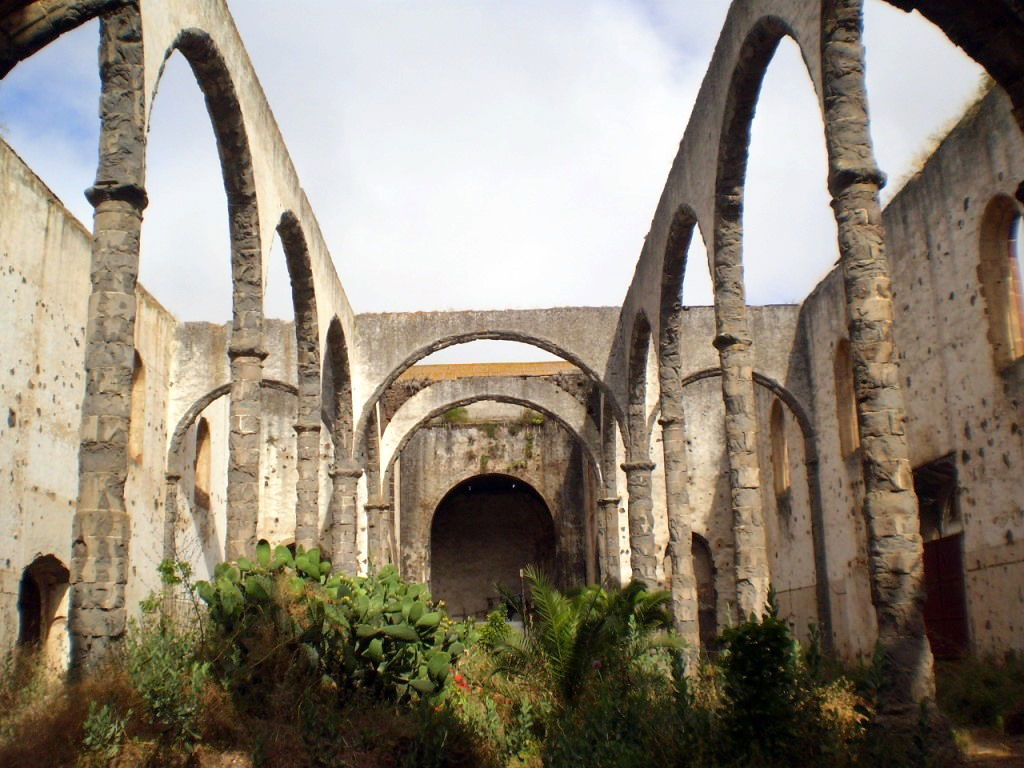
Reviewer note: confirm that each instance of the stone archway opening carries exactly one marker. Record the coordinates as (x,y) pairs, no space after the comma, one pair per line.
(485,531)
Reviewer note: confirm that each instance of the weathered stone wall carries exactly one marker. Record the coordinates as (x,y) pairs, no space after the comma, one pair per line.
(45,253)
(441,455)
(957,401)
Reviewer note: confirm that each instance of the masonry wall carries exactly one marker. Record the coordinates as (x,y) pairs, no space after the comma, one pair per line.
(957,401)
(440,455)
(44,287)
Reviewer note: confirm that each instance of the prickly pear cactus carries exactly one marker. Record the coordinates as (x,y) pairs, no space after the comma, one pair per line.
(376,633)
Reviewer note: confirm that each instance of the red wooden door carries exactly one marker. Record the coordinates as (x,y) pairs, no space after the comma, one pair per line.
(945,607)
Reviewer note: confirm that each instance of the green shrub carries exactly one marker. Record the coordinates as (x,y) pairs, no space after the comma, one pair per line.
(377,634)
(759,681)
(104,731)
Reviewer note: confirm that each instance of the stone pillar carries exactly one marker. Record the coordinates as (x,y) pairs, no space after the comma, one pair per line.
(344,525)
(171,480)
(890,506)
(377,532)
(734,348)
(680,535)
(101,528)
(643,558)
(307,487)
(246,357)
(822,590)
(608,530)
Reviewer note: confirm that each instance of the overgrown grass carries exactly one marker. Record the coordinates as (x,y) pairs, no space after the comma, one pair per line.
(985,693)
(295,668)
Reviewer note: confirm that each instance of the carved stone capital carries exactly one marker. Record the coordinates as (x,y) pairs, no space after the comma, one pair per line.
(106,191)
(247,350)
(346,470)
(637,466)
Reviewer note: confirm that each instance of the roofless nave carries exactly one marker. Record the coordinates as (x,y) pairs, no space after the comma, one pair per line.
(716,450)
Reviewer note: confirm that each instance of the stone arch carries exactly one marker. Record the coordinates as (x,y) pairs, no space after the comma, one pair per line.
(810,443)
(214,78)
(246,353)
(47,20)
(670,404)
(733,338)
(401,429)
(525,535)
(176,455)
(638,466)
(174,451)
(490,335)
(307,345)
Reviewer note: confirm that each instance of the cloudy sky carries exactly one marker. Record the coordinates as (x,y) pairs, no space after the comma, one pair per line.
(484,155)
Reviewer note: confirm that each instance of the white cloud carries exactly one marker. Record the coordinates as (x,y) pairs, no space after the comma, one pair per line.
(484,155)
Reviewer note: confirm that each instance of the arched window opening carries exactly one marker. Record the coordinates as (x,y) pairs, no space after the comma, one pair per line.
(1000,277)
(137,426)
(846,400)
(780,451)
(707,595)
(485,531)
(201,495)
(43,587)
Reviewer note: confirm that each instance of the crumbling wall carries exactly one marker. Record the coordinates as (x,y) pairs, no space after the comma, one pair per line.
(440,455)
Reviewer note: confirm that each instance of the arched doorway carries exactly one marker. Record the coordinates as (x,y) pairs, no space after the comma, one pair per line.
(484,532)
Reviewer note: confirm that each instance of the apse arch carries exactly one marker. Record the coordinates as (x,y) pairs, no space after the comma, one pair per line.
(464,338)
(491,396)
(519,530)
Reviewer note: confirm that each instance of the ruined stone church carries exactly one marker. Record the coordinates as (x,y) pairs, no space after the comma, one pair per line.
(859,453)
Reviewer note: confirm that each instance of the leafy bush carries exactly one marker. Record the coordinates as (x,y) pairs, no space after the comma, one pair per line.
(104,731)
(378,633)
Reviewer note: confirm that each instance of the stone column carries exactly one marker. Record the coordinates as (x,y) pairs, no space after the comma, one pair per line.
(307,487)
(246,357)
(171,480)
(680,535)
(376,533)
(344,525)
(643,558)
(101,528)
(608,517)
(890,506)
(734,348)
